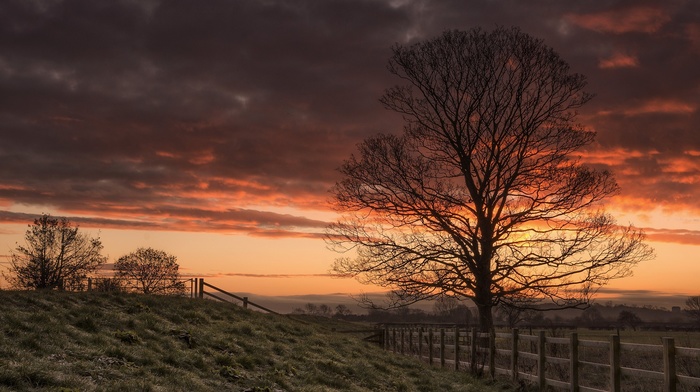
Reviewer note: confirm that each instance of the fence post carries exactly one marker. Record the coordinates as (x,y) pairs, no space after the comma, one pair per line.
(492,352)
(393,339)
(456,347)
(614,363)
(431,357)
(670,377)
(442,347)
(410,341)
(420,343)
(573,362)
(541,357)
(245,302)
(473,350)
(402,339)
(514,356)
(386,337)
(89,288)
(201,287)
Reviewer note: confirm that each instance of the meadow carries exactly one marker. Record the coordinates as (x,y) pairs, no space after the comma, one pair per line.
(59,341)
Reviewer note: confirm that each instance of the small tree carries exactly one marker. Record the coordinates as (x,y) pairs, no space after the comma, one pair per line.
(342,311)
(512,315)
(150,271)
(628,318)
(55,255)
(692,308)
(324,310)
(444,305)
(311,308)
(591,317)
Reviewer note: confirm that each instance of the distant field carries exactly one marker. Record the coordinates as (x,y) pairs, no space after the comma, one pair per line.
(681,339)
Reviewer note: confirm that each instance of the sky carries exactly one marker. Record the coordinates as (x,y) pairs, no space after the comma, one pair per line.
(213,130)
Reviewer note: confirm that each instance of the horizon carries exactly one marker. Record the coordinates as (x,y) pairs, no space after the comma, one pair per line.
(214,132)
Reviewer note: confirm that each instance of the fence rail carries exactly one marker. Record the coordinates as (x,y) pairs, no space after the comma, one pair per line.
(200,287)
(192,287)
(506,354)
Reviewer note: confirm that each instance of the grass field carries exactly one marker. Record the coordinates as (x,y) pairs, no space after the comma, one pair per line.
(57,341)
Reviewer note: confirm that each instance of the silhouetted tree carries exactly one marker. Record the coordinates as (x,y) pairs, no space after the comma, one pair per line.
(298,311)
(311,308)
(444,305)
(55,255)
(692,308)
(630,319)
(591,317)
(512,315)
(150,271)
(324,310)
(483,195)
(449,309)
(342,311)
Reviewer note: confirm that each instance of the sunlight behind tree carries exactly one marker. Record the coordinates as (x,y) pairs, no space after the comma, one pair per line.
(483,196)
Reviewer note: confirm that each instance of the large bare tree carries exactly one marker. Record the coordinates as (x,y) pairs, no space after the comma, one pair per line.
(55,255)
(483,196)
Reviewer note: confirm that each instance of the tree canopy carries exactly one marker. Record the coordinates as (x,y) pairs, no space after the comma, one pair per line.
(483,195)
(150,271)
(55,255)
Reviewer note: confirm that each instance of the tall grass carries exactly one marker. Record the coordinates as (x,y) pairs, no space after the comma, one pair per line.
(56,341)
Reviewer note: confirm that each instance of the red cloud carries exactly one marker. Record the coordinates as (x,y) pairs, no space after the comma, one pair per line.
(619,60)
(644,19)
(654,105)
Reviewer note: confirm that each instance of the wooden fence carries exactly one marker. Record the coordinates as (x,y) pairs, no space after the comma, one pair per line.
(509,354)
(192,287)
(200,288)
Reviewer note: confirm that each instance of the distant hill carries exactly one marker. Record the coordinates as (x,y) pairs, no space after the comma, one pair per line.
(57,341)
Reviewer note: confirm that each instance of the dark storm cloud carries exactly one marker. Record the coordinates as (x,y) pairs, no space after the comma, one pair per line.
(202,112)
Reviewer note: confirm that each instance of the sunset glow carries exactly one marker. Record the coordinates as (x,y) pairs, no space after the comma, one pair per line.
(214,131)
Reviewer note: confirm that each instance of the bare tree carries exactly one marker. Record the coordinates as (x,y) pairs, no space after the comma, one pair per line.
(150,271)
(591,317)
(311,309)
(513,315)
(483,195)
(342,311)
(449,309)
(444,306)
(692,308)
(55,255)
(628,318)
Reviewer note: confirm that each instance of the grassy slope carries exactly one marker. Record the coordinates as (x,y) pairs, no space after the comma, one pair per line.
(117,342)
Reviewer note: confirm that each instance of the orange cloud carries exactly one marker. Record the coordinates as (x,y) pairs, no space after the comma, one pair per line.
(670,106)
(202,157)
(643,19)
(167,154)
(656,105)
(619,60)
(686,237)
(693,33)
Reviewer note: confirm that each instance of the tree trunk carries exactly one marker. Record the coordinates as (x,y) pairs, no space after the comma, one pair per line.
(485,317)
